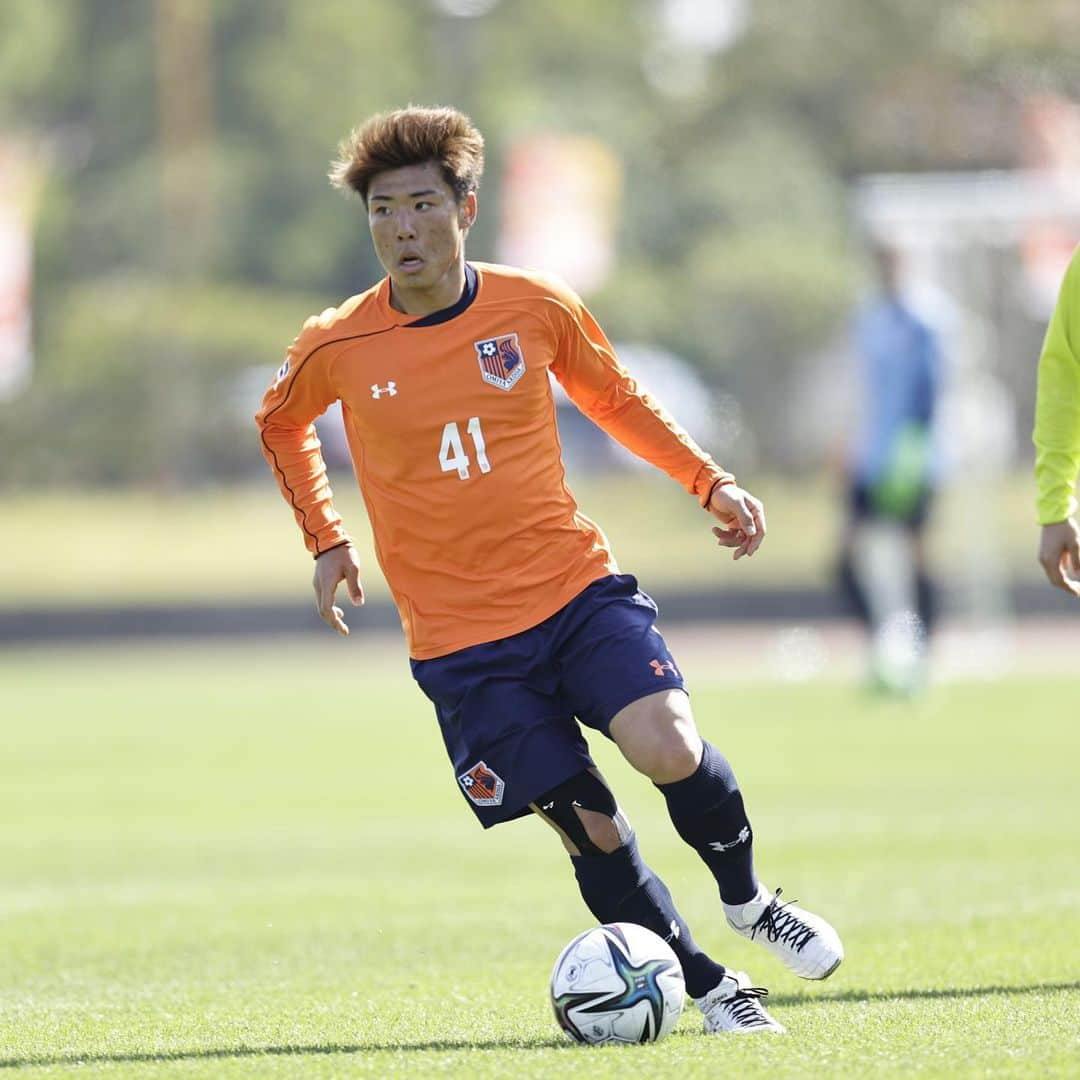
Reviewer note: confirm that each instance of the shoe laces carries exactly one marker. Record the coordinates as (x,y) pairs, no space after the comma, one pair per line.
(745,1008)
(779,924)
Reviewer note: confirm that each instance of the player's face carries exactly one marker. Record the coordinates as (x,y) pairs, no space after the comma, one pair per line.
(419,230)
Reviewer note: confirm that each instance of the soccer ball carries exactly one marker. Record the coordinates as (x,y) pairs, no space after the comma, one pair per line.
(617,983)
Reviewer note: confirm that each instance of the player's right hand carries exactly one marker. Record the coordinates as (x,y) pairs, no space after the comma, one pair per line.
(1059,554)
(331,569)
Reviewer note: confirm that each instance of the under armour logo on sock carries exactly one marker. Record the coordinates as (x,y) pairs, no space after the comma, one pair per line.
(676,930)
(377,391)
(744,835)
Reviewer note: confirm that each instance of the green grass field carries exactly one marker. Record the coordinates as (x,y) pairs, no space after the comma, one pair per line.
(241,861)
(221,545)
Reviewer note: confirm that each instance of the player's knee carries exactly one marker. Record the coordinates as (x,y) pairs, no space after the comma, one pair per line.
(677,755)
(585,813)
(657,735)
(671,752)
(604,832)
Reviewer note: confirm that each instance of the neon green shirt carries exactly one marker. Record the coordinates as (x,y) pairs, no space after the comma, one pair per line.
(1057,405)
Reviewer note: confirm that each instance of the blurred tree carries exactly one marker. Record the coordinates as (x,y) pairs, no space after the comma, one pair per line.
(735,245)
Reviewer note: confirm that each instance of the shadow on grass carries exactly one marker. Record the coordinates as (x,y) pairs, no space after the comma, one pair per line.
(555,1042)
(918,995)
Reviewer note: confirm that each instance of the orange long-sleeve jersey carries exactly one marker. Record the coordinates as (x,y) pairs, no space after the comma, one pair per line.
(451,426)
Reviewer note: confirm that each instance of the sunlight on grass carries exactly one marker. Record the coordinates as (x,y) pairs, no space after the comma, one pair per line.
(252,862)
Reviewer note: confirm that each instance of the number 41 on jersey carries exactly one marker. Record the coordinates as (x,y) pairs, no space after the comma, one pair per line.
(452,455)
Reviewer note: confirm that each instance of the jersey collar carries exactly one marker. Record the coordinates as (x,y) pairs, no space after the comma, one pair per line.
(468,295)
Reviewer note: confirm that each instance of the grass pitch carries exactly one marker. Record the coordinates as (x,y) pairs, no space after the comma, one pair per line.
(253,862)
(131,548)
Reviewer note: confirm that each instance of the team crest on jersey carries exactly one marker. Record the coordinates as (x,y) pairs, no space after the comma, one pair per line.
(501,362)
(483,785)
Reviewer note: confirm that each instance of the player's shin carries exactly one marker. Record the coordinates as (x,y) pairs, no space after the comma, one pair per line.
(707,811)
(618,886)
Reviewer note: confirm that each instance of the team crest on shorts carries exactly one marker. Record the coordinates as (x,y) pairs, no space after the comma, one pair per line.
(483,786)
(501,362)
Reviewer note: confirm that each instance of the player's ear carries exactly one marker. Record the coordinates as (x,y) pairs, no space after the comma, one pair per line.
(467,211)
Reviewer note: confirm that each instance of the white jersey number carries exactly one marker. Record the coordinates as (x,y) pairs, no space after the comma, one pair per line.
(452,456)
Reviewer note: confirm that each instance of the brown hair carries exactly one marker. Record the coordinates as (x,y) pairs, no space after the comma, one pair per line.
(411,136)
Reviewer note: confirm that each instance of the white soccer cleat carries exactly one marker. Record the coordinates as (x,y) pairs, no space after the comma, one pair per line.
(734,1005)
(806,944)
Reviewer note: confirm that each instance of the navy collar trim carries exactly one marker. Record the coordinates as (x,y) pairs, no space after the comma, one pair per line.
(468,295)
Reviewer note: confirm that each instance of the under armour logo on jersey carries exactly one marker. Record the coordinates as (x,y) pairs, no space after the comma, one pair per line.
(744,835)
(377,391)
(660,667)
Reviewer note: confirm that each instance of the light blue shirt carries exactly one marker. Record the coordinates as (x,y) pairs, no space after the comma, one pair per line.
(899,367)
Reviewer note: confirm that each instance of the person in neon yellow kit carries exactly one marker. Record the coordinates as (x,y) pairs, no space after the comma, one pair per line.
(1057,437)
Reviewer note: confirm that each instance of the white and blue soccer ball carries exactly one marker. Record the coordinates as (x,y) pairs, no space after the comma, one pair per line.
(617,983)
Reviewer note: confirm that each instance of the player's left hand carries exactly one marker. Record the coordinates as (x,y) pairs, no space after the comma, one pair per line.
(741,516)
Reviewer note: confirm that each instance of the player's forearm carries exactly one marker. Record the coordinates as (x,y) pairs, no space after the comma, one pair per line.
(1057,420)
(295,457)
(646,429)
(1057,455)
(609,396)
(1056,498)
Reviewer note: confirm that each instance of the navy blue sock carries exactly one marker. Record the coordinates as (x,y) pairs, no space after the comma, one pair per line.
(707,811)
(619,887)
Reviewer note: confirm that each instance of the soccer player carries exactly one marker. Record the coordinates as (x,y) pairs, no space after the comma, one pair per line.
(892,477)
(1057,437)
(519,625)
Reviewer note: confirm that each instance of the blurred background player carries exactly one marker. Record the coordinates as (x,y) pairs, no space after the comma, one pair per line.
(891,478)
(518,622)
(1057,438)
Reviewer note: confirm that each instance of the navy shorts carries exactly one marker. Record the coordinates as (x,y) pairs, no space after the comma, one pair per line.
(861,503)
(509,709)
